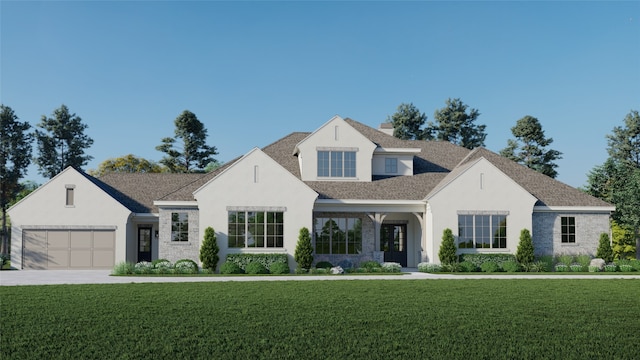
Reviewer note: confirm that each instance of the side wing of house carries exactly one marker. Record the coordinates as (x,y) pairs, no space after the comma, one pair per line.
(255,206)
(68,223)
(485,209)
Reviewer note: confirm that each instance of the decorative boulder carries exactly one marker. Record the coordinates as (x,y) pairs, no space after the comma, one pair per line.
(336,270)
(597,262)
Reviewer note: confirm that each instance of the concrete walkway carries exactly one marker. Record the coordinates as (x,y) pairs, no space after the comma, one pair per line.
(51,277)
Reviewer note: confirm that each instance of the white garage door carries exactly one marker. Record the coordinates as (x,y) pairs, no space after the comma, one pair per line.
(68,249)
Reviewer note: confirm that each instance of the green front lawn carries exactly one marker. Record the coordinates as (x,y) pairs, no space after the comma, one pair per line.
(372,319)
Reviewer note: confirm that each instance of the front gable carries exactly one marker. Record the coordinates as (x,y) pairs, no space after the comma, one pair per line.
(345,154)
(479,188)
(69,198)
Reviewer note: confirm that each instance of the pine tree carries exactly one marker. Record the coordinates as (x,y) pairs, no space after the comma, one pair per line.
(62,143)
(209,250)
(525,252)
(190,153)
(15,156)
(604,248)
(454,124)
(304,250)
(407,122)
(447,252)
(530,147)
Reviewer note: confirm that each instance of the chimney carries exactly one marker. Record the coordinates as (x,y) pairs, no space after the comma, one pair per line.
(386,128)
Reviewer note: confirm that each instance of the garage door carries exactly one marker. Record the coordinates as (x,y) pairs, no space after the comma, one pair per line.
(68,249)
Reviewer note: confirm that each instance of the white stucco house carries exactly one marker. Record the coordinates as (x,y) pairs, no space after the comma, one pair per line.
(363,194)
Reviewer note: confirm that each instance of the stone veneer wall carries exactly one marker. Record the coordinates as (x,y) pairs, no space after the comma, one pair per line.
(177,250)
(547,235)
(368,240)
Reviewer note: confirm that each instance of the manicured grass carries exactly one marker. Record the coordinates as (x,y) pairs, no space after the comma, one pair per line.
(372,319)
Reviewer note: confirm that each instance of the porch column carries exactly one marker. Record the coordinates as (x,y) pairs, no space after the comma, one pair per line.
(377,219)
(423,243)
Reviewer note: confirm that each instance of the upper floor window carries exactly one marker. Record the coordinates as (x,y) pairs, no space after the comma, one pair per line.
(482,231)
(336,163)
(568,229)
(391,165)
(179,226)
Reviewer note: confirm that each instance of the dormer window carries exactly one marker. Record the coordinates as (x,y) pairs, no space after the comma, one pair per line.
(391,165)
(336,163)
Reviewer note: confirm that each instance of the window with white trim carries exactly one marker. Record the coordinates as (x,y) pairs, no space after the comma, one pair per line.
(333,163)
(391,165)
(482,231)
(256,229)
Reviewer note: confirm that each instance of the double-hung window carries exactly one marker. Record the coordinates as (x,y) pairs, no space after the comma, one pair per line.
(334,163)
(482,231)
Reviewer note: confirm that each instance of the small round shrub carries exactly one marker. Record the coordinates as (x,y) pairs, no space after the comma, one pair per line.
(320,271)
(510,266)
(610,268)
(161,262)
(428,267)
(229,267)
(255,267)
(186,266)
(576,268)
(593,268)
(562,268)
(489,267)
(369,265)
(391,267)
(626,268)
(467,266)
(324,265)
(279,268)
(143,267)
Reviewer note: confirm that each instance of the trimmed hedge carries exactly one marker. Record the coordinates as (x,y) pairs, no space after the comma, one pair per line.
(242,260)
(479,259)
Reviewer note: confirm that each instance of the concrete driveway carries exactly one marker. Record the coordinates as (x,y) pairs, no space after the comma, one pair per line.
(51,277)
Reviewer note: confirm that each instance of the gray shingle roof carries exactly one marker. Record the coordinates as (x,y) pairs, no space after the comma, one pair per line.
(432,165)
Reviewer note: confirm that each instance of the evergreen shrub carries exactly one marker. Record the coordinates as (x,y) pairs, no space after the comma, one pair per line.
(229,267)
(255,268)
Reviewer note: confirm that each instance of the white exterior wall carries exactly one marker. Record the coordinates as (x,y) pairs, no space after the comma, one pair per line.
(256,182)
(405,164)
(339,135)
(45,208)
(480,188)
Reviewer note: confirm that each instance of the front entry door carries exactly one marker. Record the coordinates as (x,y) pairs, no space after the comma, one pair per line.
(393,241)
(144,244)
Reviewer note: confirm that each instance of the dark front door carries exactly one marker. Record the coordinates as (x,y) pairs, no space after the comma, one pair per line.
(393,241)
(144,244)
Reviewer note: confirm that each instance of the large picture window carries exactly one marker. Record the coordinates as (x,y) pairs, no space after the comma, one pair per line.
(179,226)
(482,231)
(338,235)
(568,229)
(256,229)
(336,163)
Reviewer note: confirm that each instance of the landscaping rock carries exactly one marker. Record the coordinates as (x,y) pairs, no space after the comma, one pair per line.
(598,262)
(336,270)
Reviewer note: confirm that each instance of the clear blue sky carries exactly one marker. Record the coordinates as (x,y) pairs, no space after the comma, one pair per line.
(255,71)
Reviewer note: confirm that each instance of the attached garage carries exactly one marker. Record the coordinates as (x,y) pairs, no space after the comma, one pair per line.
(64,248)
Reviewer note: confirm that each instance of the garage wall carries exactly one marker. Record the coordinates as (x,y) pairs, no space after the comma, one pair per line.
(46,209)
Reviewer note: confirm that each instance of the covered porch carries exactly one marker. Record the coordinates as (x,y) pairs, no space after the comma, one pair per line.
(347,233)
